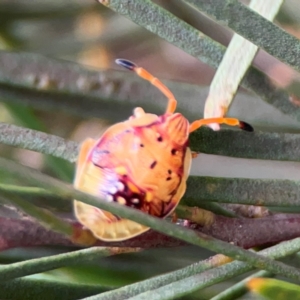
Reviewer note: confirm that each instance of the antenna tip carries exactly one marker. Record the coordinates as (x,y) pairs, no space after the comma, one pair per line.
(245,126)
(126,63)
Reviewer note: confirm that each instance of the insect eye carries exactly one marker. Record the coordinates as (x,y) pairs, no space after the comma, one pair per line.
(142,145)
(174,151)
(153,164)
(159,139)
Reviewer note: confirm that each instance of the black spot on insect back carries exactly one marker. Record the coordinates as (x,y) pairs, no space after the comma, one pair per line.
(152,166)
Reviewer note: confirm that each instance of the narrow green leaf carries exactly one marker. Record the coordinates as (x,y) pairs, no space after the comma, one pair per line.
(266,192)
(38,141)
(194,279)
(249,24)
(36,289)
(240,288)
(274,289)
(259,145)
(188,235)
(25,117)
(236,61)
(38,265)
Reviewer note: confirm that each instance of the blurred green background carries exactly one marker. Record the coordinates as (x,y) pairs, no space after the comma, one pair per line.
(89,34)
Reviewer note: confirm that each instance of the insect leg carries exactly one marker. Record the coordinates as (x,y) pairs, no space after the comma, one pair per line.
(155,81)
(194,154)
(174,217)
(229,121)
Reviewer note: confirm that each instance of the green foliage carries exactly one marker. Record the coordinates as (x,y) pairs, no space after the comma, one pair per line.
(274,289)
(47,100)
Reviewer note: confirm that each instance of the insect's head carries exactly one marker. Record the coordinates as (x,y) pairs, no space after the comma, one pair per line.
(176,127)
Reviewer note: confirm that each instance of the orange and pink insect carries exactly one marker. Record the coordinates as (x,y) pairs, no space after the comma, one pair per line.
(143,163)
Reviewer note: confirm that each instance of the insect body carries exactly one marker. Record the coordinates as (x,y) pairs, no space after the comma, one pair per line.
(143,163)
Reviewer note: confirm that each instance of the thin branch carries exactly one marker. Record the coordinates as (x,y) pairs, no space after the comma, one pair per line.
(16,233)
(159,21)
(28,233)
(77,234)
(249,24)
(45,217)
(249,233)
(244,232)
(187,235)
(197,278)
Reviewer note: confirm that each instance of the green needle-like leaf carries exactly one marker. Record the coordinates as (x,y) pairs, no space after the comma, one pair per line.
(274,289)
(188,235)
(253,27)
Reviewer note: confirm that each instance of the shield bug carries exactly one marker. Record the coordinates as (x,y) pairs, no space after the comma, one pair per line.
(142,162)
